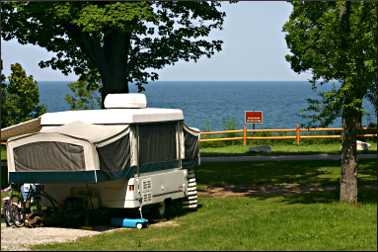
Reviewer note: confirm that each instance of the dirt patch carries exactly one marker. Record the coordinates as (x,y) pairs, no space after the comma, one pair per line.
(263,190)
(13,238)
(165,224)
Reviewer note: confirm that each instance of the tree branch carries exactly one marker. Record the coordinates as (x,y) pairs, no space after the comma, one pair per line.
(90,47)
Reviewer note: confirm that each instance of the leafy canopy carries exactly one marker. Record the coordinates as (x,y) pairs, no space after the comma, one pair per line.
(127,41)
(334,48)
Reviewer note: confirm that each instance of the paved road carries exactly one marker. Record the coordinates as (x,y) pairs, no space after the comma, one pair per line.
(280,158)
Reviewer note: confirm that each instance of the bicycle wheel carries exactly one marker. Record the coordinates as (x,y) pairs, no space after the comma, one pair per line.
(16,211)
(17,215)
(8,213)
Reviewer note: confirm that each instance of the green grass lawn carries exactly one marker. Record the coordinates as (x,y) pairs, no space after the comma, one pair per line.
(278,149)
(286,205)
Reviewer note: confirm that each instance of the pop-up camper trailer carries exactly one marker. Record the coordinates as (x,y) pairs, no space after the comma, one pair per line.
(126,153)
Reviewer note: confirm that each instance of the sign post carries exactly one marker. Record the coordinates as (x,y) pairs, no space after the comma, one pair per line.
(245,135)
(252,117)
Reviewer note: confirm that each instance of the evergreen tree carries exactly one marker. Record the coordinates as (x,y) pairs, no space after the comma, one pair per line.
(20,97)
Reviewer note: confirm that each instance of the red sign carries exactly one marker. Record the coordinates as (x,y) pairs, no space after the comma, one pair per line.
(255,117)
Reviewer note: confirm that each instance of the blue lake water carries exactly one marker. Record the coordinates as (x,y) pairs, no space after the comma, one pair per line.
(208,104)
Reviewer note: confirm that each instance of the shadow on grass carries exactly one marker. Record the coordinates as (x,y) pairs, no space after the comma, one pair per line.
(295,181)
(100,219)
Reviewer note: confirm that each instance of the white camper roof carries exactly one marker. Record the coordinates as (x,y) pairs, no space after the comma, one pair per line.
(112,116)
(90,132)
(120,109)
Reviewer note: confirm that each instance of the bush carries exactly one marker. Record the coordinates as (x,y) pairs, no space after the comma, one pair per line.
(85,93)
(228,123)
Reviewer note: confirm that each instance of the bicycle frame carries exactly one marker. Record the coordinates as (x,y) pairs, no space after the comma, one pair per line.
(26,204)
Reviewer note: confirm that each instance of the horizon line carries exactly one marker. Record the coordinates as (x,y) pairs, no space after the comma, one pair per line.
(192,80)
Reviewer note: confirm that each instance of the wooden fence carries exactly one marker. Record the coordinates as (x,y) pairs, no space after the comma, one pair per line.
(298,134)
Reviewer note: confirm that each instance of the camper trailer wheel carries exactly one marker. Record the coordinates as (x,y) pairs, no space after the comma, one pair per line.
(162,210)
(139,226)
(166,209)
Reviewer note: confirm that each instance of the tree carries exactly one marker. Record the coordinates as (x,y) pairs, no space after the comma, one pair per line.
(20,97)
(335,41)
(85,94)
(122,41)
(2,99)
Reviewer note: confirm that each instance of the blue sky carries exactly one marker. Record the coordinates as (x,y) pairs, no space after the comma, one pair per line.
(254,49)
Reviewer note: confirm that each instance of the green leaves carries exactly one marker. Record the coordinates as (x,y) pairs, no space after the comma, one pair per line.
(85,92)
(335,41)
(84,96)
(116,16)
(123,41)
(20,98)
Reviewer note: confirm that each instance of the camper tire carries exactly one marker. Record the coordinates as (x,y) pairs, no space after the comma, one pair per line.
(162,209)
(165,209)
(139,226)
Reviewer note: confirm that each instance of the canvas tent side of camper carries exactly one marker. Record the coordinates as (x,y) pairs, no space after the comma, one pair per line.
(66,150)
(73,152)
(108,151)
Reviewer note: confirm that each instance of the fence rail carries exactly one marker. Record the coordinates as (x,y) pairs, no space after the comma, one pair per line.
(300,133)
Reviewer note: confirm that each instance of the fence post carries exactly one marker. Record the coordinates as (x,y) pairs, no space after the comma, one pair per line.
(245,135)
(298,135)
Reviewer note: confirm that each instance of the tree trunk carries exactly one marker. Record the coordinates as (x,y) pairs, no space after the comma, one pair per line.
(114,72)
(109,56)
(348,181)
(114,81)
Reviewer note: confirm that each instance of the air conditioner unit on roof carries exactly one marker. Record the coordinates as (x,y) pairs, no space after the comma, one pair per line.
(125,101)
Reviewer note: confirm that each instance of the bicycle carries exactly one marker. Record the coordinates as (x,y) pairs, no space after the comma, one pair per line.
(24,206)
(11,207)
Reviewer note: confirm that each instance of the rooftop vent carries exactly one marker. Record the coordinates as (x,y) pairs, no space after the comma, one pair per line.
(125,101)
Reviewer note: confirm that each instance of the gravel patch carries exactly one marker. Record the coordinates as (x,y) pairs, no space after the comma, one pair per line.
(21,239)
(13,238)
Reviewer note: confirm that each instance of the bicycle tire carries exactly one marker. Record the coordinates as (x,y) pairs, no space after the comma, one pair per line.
(8,214)
(17,215)
(16,211)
